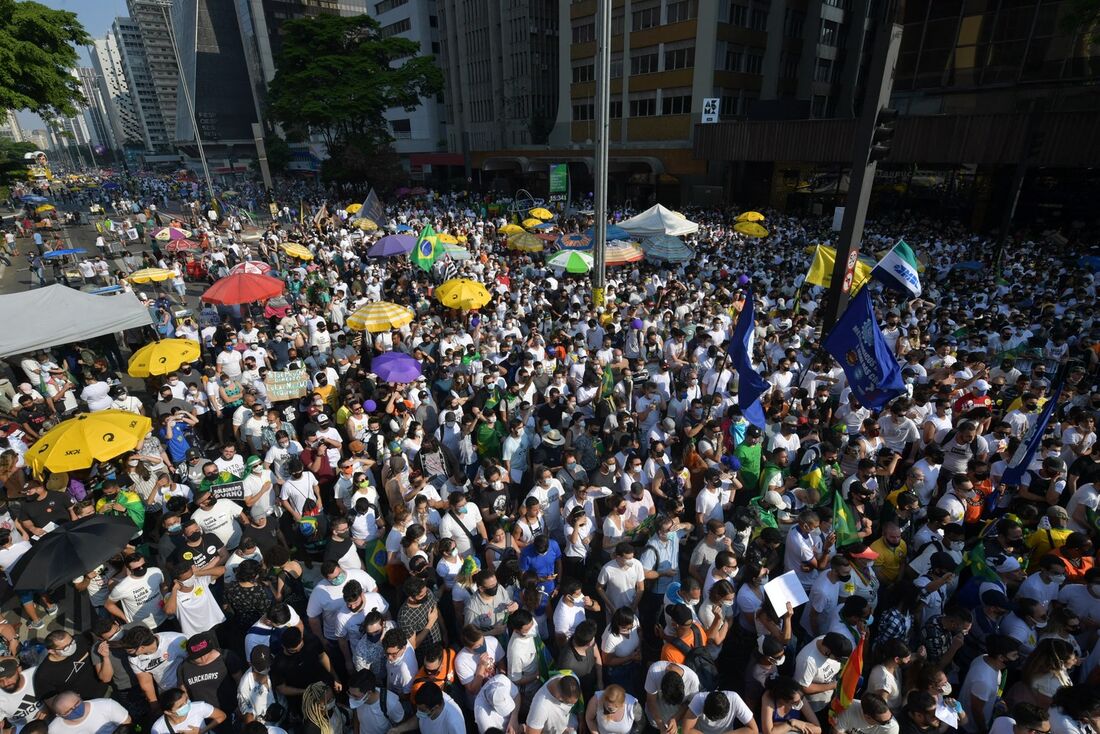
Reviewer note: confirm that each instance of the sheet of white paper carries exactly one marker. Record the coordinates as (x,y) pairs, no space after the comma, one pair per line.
(783,589)
(947,716)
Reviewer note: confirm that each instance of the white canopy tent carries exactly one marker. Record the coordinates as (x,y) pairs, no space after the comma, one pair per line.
(45,317)
(659,220)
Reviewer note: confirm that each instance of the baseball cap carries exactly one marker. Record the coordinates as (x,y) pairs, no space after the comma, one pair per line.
(981,385)
(261,658)
(752,432)
(1008,564)
(322,419)
(680,614)
(200,644)
(790,420)
(776,500)
(8,667)
(860,550)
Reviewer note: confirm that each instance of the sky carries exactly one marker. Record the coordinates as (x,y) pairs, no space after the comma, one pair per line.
(97,16)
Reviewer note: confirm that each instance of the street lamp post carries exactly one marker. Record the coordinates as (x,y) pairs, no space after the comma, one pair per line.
(603,113)
(164,5)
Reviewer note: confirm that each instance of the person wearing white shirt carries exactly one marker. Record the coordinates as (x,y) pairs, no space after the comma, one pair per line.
(818,664)
(717,712)
(621,580)
(552,706)
(86,716)
(184,715)
(984,684)
(806,552)
(496,705)
(221,517)
(372,714)
(327,598)
(255,691)
(437,712)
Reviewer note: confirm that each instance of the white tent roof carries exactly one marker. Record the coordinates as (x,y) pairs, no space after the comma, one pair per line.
(45,317)
(658,220)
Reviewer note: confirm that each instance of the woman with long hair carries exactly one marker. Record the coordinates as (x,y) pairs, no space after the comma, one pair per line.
(319,711)
(1046,670)
(782,704)
(885,678)
(613,711)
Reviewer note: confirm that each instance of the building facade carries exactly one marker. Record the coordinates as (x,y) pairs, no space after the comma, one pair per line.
(122,109)
(139,82)
(160,61)
(10,128)
(96,117)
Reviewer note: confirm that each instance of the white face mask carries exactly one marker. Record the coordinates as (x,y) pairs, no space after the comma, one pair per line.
(946,690)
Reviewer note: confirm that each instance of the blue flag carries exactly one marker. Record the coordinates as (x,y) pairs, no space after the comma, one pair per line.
(1021,460)
(856,342)
(750,385)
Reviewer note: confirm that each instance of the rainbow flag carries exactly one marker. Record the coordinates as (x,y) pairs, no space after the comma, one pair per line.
(850,674)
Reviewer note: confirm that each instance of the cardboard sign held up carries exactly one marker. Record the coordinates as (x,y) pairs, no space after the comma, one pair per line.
(228,491)
(287,385)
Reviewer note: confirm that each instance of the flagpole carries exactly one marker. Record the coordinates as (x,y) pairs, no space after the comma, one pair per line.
(603,112)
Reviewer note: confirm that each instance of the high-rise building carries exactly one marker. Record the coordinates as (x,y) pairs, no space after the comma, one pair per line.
(96,116)
(501,69)
(9,127)
(419,135)
(139,81)
(122,109)
(151,19)
(38,137)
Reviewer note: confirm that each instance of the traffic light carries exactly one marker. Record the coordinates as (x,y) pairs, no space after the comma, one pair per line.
(885,121)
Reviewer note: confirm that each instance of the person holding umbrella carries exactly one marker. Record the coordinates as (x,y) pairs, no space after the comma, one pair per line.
(11,550)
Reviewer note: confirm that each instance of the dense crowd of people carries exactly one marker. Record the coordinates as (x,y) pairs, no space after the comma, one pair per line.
(566,523)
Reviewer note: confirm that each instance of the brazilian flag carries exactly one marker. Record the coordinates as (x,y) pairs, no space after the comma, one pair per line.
(844,522)
(376,555)
(427,249)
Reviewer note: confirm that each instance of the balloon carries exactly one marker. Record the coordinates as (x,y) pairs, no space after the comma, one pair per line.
(743,279)
(370,406)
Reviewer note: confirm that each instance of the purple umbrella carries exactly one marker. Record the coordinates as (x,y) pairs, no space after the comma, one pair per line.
(396,367)
(393,245)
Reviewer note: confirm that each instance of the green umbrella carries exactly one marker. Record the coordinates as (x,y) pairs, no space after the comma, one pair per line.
(571,261)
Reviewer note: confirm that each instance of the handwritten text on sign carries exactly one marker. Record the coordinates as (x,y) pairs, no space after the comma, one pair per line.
(286,385)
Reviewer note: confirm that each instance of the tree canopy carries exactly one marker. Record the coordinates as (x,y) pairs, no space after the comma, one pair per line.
(337,76)
(37,50)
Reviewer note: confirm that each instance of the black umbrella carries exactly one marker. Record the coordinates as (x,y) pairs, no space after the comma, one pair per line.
(69,551)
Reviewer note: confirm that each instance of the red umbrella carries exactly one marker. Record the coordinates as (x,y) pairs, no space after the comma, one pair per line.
(243,288)
(182,246)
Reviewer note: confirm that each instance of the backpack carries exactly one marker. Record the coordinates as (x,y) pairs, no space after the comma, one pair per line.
(699,659)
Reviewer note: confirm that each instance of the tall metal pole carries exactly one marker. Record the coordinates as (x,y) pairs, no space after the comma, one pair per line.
(603,115)
(164,5)
(879,84)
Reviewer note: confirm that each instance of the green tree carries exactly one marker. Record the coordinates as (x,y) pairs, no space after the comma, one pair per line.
(12,165)
(37,50)
(334,75)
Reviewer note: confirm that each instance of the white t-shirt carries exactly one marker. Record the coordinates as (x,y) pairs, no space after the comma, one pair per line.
(102,717)
(96,396)
(548,713)
(567,617)
(466,661)
(982,682)
(196,719)
(450,719)
(495,703)
(197,610)
(297,491)
(811,666)
(326,600)
(657,671)
(457,529)
(621,583)
(221,520)
(253,485)
(141,599)
(21,705)
(739,713)
(164,662)
(371,718)
(802,549)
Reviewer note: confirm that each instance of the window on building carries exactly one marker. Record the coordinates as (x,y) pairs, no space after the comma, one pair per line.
(758,19)
(616,108)
(830,33)
(793,20)
(433,21)
(680,58)
(584,109)
(435,47)
(394,28)
(643,61)
(644,106)
(730,105)
(584,30)
(617,23)
(674,102)
(823,70)
(788,65)
(735,58)
(646,18)
(754,62)
(842,4)
(616,66)
(739,15)
(402,129)
(817,106)
(681,10)
(387,5)
(584,72)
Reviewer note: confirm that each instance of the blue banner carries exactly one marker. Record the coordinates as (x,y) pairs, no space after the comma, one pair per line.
(856,342)
(1031,441)
(750,385)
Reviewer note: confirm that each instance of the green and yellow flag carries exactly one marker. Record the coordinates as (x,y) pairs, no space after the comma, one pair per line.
(844,522)
(427,249)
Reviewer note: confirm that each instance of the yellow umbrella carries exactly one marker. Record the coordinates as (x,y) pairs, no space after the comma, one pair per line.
(379,316)
(462,238)
(541,213)
(446,239)
(752,229)
(463,294)
(510,229)
(151,275)
(526,242)
(367,225)
(160,358)
(750,217)
(532,222)
(297,251)
(45,208)
(78,442)
(352,208)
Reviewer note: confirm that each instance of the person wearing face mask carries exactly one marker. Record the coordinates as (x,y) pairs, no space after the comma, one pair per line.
(136,598)
(190,600)
(1025,623)
(1044,585)
(437,712)
(718,712)
(183,715)
(71,664)
(76,713)
(985,682)
(371,713)
(825,595)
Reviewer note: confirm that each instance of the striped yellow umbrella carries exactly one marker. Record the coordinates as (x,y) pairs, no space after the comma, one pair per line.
(379,316)
(151,275)
(510,229)
(446,239)
(750,217)
(525,242)
(751,229)
(532,222)
(463,294)
(621,252)
(352,208)
(297,251)
(89,437)
(160,358)
(541,213)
